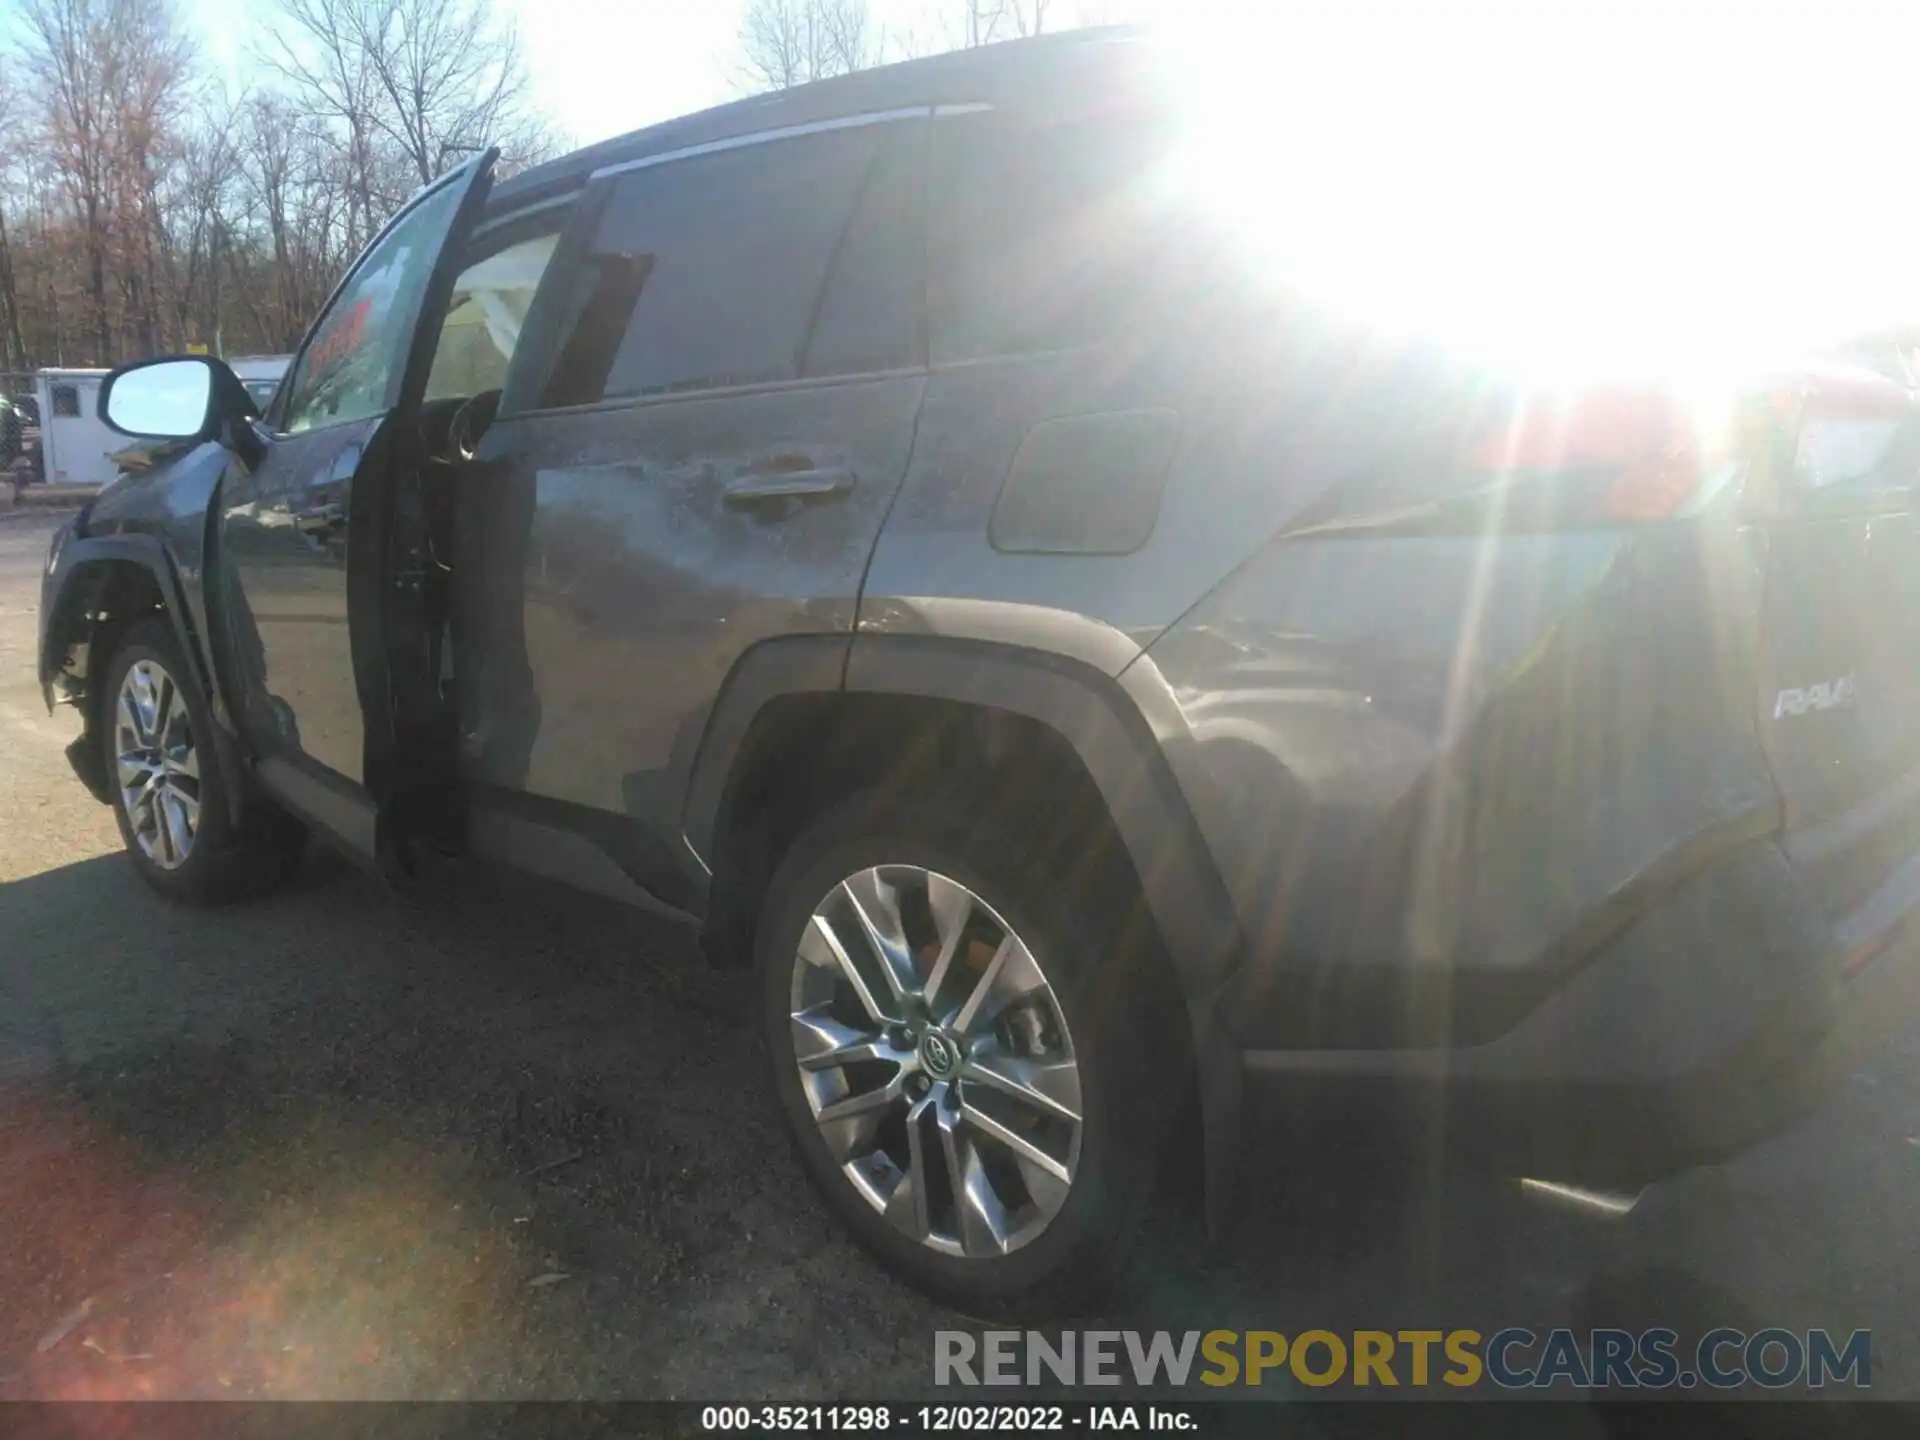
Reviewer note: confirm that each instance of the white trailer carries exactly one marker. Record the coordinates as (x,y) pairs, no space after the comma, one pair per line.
(76,443)
(261,374)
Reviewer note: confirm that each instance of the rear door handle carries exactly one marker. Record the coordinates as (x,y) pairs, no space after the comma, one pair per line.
(759,489)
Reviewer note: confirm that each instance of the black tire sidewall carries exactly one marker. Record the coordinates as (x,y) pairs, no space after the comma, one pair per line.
(1078,1252)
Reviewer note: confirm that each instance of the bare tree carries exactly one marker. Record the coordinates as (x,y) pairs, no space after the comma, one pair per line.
(13,347)
(784,43)
(327,73)
(936,26)
(267,140)
(201,221)
(147,122)
(451,78)
(73,62)
(109,75)
(281,167)
(982,20)
(157,211)
(964,24)
(406,87)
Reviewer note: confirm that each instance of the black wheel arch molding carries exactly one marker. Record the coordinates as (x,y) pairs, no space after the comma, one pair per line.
(1114,735)
(1090,711)
(74,587)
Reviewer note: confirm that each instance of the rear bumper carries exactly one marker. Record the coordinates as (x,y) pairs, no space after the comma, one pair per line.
(1724,1015)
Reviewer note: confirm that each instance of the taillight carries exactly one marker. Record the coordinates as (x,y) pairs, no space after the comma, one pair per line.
(1658,489)
(1487,459)
(1845,424)
(1609,454)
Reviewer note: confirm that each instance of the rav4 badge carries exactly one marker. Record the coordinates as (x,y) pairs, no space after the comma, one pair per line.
(1827,695)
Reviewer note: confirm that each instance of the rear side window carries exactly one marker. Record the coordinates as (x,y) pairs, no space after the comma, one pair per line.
(872,314)
(713,271)
(66,400)
(1046,235)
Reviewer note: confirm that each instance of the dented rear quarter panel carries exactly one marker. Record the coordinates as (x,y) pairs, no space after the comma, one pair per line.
(1437,772)
(1258,437)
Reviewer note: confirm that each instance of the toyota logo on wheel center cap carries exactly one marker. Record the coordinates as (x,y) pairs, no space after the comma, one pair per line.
(938,1054)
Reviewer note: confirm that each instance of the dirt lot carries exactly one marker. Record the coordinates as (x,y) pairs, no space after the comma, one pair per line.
(490,1140)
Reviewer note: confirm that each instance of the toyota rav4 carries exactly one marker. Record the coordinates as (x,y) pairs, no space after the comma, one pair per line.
(890,527)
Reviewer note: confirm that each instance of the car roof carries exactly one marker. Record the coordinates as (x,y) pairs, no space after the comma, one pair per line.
(1040,65)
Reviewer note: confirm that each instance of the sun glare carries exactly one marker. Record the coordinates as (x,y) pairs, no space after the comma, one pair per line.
(1569,193)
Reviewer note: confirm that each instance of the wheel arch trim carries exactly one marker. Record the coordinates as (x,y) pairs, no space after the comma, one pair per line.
(69,587)
(1118,743)
(1100,721)
(68,594)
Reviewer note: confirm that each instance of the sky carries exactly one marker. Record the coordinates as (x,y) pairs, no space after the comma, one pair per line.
(599,67)
(663,58)
(1551,180)
(604,67)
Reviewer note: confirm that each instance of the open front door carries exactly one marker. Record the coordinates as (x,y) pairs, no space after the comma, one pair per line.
(398,591)
(325,582)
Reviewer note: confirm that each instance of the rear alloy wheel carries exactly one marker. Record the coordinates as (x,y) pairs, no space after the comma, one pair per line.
(156,731)
(933,1054)
(957,1047)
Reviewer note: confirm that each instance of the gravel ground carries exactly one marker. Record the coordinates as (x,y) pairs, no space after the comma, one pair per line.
(494,1140)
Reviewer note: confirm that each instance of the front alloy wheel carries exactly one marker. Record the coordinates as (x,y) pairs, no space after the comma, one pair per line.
(159,748)
(936,1062)
(157,768)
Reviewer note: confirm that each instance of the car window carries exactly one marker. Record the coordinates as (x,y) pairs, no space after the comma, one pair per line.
(351,365)
(709,272)
(487,312)
(872,315)
(1044,234)
(66,401)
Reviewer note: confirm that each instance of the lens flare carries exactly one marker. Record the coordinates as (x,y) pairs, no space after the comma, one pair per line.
(1564,192)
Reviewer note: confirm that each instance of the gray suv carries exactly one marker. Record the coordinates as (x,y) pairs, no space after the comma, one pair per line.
(1106,701)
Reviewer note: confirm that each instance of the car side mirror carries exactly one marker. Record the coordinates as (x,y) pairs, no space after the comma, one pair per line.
(177,397)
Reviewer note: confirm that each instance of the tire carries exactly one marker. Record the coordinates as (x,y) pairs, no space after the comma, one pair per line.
(1098,1008)
(171,802)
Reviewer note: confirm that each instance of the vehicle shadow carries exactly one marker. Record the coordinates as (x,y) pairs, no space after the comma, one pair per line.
(486,1139)
(491,1138)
